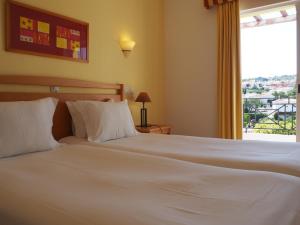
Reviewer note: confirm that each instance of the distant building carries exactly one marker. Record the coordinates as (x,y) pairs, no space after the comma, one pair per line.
(285,105)
(264,98)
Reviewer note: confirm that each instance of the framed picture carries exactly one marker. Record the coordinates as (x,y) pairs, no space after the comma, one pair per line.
(35,31)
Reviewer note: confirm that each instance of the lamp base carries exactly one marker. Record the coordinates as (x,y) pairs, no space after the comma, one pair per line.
(144,117)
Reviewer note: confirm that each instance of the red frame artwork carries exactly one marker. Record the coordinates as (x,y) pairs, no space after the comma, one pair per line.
(35,31)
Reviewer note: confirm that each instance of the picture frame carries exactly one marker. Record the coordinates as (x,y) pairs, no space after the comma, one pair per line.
(35,31)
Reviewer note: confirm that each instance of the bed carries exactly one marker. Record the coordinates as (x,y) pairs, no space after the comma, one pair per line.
(250,155)
(77,184)
(81,184)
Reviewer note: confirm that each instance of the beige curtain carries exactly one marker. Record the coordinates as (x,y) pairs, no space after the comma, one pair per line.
(229,75)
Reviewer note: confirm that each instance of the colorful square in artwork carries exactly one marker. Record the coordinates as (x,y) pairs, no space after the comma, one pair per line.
(27,36)
(75,46)
(26,23)
(26,39)
(43,27)
(61,43)
(75,32)
(43,39)
(75,35)
(62,32)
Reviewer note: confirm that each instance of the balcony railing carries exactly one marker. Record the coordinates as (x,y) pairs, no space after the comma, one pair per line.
(270,116)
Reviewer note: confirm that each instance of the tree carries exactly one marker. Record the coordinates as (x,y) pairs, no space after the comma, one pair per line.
(283,94)
(251,104)
(292,93)
(276,94)
(280,94)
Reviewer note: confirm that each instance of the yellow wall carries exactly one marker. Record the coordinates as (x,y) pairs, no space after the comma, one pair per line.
(108,19)
(191,67)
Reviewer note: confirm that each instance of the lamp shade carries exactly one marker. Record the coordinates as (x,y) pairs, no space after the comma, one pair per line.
(143,97)
(127,45)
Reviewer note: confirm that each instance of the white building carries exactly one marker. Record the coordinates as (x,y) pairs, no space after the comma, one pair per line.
(285,105)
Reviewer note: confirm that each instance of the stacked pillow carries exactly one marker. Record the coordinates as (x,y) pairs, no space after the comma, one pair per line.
(101,121)
(26,126)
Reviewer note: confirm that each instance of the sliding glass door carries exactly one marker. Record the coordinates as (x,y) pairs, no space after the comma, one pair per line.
(269,73)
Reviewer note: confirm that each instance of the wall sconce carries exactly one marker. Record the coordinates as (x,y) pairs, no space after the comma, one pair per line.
(127,46)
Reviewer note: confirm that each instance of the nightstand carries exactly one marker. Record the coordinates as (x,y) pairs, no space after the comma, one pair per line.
(155,129)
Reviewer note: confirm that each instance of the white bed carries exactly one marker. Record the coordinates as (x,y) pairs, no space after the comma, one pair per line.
(250,155)
(115,184)
(86,185)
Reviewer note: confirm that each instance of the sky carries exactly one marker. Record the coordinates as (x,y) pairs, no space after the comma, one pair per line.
(269,50)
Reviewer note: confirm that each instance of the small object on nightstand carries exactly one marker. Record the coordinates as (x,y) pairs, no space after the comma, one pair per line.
(155,129)
(143,97)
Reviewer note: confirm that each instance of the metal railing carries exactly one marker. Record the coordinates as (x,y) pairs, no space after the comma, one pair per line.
(266,116)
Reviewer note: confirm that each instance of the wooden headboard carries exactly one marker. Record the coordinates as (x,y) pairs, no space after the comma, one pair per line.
(62,122)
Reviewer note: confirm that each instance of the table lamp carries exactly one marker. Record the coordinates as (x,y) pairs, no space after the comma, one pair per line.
(143,97)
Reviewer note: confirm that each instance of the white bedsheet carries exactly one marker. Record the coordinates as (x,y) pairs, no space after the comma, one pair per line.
(251,155)
(82,185)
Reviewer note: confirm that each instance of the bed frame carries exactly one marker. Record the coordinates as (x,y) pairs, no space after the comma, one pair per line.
(62,122)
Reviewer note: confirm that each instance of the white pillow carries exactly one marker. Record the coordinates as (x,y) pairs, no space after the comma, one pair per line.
(106,120)
(78,122)
(77,119)
(26,126)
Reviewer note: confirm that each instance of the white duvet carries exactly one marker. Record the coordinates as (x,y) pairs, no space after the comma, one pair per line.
(251,155)
(82,185)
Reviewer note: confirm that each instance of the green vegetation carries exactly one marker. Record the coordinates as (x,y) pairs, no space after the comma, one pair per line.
(251,119)
(290,94)
(250,104)
(271,128)
(293,93)
(255,89)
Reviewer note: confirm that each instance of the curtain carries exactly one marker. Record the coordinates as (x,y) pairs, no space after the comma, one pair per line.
(229,75)
(210,3)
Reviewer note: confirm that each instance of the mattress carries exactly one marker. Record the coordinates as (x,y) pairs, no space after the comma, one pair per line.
(79,184)
(251,155)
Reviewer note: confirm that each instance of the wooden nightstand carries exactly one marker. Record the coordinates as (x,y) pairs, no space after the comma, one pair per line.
(155,129)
